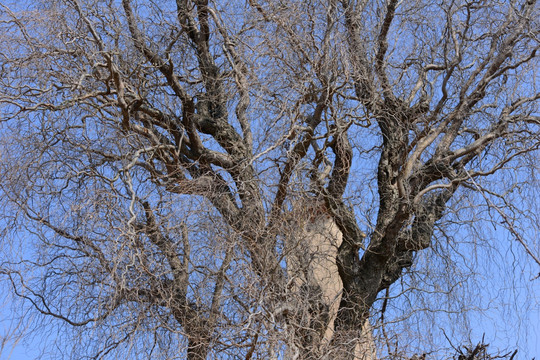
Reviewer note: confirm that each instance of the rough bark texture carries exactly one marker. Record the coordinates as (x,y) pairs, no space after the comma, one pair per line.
(314,276)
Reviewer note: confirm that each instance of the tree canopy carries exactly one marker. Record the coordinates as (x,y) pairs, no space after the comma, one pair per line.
(266,179)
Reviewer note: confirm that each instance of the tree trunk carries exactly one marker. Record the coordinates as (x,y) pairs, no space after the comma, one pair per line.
(315,281)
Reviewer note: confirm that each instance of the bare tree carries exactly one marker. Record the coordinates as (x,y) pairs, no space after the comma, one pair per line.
(198,179)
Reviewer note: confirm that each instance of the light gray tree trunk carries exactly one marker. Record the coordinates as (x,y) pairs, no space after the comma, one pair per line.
(314,277)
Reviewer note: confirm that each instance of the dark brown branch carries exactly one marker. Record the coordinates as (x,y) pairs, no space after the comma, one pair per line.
(293,158)
(382,42)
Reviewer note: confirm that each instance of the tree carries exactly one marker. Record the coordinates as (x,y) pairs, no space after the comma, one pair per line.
(205,179)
